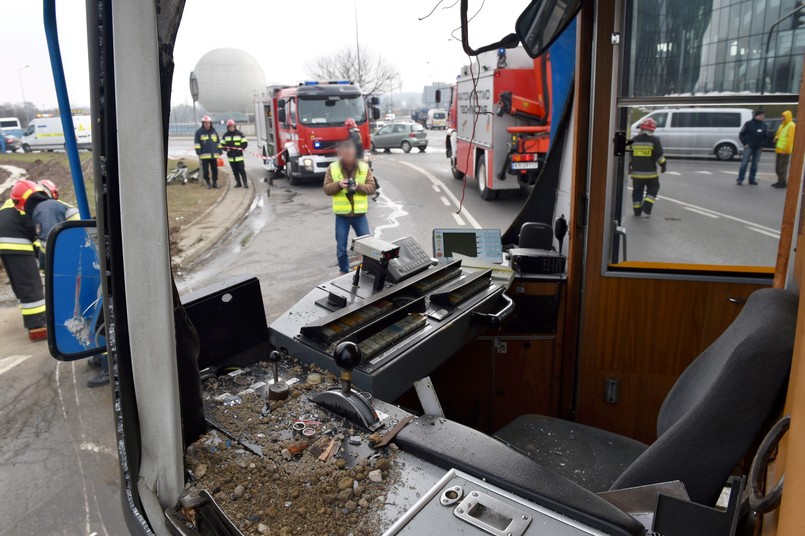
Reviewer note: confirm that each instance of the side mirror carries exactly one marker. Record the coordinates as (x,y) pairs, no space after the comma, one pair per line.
(374,101)
(281,104)
(375,113)
(438,96)
(73,293)
(543,21)
(281,115)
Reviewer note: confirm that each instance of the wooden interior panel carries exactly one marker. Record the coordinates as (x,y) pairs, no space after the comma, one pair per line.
(642,331)
(523,378)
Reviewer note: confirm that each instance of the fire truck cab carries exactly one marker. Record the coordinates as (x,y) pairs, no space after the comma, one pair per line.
(299,127)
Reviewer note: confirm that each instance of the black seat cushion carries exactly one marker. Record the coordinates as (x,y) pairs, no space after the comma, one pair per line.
(590,457)
(714,413)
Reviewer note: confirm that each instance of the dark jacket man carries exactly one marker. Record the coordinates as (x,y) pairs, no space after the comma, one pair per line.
(208,147)
(754,132)
(233,142)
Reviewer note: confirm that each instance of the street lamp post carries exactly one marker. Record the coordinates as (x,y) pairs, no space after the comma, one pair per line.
(22,90)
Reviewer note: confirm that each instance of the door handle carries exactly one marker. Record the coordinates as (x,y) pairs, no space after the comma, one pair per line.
(737,301)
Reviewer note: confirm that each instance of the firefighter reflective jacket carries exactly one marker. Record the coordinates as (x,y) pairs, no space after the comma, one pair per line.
(17,231)
(234,142)
(646,156)
(341,202)
(207,143)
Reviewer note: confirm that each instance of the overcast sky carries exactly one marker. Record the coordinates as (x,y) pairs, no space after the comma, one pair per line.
(282,36)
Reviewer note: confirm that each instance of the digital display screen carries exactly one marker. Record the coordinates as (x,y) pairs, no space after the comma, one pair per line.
(463,243)
(483,244)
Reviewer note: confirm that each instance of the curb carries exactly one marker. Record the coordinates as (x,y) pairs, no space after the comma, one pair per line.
(188,257)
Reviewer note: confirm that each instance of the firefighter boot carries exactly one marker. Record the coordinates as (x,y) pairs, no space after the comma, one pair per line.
(100,379)
(208,183)
(38,334)
(638,209)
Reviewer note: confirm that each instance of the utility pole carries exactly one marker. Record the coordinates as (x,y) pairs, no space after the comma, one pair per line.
(357,43)
(22,90)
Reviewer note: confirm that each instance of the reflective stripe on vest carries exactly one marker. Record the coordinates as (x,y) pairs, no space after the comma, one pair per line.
(236,159)
(341,203)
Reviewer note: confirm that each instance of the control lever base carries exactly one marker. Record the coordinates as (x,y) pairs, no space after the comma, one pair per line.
(352,407)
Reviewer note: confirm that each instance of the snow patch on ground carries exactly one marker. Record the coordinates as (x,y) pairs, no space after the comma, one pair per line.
(16,173)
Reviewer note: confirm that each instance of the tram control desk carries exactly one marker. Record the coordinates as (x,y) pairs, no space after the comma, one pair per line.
(409,312)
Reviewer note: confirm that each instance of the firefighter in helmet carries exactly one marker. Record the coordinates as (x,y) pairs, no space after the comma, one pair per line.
(647,154)
(45,211)
(18,253)
(208,147)
(354,135)
(234,142)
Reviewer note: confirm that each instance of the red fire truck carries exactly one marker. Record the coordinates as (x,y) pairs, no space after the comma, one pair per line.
(500,119)
(298,127)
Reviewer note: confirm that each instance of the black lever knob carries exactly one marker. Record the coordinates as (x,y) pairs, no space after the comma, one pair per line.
(347,356)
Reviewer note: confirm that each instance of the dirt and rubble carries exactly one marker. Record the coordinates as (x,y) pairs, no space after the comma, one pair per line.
(323,479)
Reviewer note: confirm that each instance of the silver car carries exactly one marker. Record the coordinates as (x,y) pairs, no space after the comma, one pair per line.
(699,132)
(403,136)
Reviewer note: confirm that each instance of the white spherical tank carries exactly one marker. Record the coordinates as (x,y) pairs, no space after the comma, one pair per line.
(228,79)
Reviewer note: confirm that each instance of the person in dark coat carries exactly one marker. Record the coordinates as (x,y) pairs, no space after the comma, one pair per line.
(752,135)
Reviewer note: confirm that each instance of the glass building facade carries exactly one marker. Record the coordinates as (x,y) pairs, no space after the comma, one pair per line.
(711,47)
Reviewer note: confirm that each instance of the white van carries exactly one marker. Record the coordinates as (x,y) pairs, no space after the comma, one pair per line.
(699,131)
(46,134)
(9,123)
(436,119)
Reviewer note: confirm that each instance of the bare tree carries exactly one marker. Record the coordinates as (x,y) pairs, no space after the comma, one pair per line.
(374,74)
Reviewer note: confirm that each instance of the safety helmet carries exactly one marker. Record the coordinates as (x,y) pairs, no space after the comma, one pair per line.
(350,123)
(230,123)
(50,188)
(648,124)
(206,119)
(21,191)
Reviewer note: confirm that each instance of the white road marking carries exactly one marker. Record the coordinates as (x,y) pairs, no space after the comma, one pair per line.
(448,193)
(729,172)
(704,172)
(393,218)
(459,219)
(761,231)
(96,448)
(445,201)
(721,214)
(436,189)
(675,173)
(8,363)
(702,212)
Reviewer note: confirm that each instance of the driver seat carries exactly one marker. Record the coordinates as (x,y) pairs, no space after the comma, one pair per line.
(712,416)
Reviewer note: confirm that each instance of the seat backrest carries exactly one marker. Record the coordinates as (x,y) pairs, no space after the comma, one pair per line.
(722,401)
(536,235)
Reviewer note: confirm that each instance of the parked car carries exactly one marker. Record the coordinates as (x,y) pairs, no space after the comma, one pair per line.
(403,136)
(699,131)
(12,142)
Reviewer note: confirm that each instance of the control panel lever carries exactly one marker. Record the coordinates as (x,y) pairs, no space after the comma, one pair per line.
(344,401)
(277,390)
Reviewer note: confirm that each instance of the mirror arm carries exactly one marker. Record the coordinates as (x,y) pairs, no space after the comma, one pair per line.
(510,41)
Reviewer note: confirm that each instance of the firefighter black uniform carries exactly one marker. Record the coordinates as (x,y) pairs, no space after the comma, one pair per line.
(208,148)
(647,154)
(17,238)
(234,142)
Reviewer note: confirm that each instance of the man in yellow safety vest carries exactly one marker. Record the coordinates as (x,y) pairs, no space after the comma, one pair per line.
(350,183)
(783,147)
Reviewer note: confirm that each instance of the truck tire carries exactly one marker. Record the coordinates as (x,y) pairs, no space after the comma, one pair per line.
(487,194)
(26,148)
(725,151)
(293,178)
(457,173)
(372,147)
(406,146)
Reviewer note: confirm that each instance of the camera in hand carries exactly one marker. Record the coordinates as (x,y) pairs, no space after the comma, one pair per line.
(351,187)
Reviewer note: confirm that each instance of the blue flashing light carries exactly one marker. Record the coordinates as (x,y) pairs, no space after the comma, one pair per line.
(317,145)
(341,82)
(311,83)
(501,51)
